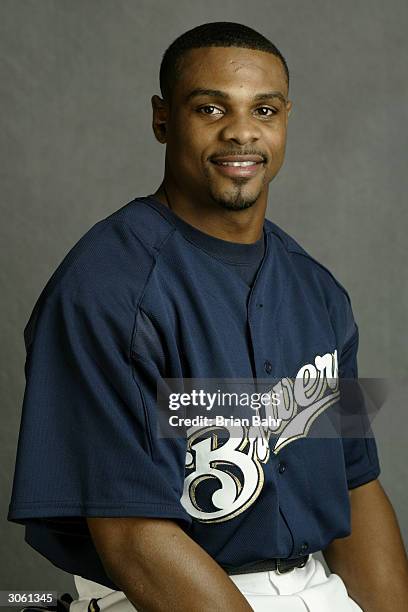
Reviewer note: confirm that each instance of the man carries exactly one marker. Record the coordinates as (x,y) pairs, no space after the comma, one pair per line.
(192,282)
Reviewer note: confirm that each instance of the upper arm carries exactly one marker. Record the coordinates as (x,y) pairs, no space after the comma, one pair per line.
(90,404)
(121,541)
(372,485)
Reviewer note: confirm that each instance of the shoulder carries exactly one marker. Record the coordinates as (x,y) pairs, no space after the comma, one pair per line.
(110,264)
(120,246)
(318,278)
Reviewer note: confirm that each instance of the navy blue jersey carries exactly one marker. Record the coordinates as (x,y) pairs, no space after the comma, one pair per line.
(137,300)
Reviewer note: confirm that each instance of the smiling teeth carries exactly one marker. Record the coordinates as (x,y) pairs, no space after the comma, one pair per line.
(244,163)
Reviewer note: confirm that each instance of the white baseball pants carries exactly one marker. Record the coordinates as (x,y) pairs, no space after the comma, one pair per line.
(306,589)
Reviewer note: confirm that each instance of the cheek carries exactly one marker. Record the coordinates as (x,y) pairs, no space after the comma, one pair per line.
(276,140)
(187,141)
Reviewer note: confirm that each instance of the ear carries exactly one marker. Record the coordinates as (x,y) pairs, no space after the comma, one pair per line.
(289,105)
(160,118)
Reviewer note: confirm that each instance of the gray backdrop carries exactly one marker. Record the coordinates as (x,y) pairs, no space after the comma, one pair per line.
(76,81)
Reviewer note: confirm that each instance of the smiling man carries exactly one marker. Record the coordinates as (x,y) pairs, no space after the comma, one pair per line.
(193,282)
(224,122)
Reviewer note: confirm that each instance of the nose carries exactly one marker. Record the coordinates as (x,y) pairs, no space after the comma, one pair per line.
(241,130)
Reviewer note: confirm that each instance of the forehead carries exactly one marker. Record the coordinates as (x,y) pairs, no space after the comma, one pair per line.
(230,67)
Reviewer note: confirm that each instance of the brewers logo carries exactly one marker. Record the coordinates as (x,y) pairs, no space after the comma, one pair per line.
(226,476)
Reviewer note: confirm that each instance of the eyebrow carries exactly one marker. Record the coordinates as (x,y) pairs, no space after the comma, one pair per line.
(217,93)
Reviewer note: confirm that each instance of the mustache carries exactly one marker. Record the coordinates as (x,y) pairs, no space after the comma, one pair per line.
(225,153)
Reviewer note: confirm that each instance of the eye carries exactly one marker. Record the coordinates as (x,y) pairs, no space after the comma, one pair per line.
(207,110)
(273,111)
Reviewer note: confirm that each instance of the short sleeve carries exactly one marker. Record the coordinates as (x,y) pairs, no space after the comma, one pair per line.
(86,446)
(360,453)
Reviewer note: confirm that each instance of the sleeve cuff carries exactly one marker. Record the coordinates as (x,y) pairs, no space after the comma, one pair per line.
(363,478)
(23,513)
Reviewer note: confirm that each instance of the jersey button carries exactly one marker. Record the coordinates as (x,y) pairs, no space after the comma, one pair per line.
(282,467)
(304,547)
(268,367)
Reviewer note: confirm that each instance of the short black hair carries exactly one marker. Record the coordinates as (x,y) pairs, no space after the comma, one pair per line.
(216,34)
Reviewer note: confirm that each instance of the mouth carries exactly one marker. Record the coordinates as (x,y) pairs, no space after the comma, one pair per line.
(238,165)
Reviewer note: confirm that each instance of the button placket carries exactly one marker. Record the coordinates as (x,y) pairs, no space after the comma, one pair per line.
(304,547)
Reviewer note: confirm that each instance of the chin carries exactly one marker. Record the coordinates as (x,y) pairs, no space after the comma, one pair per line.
(235,201)
(236,205)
